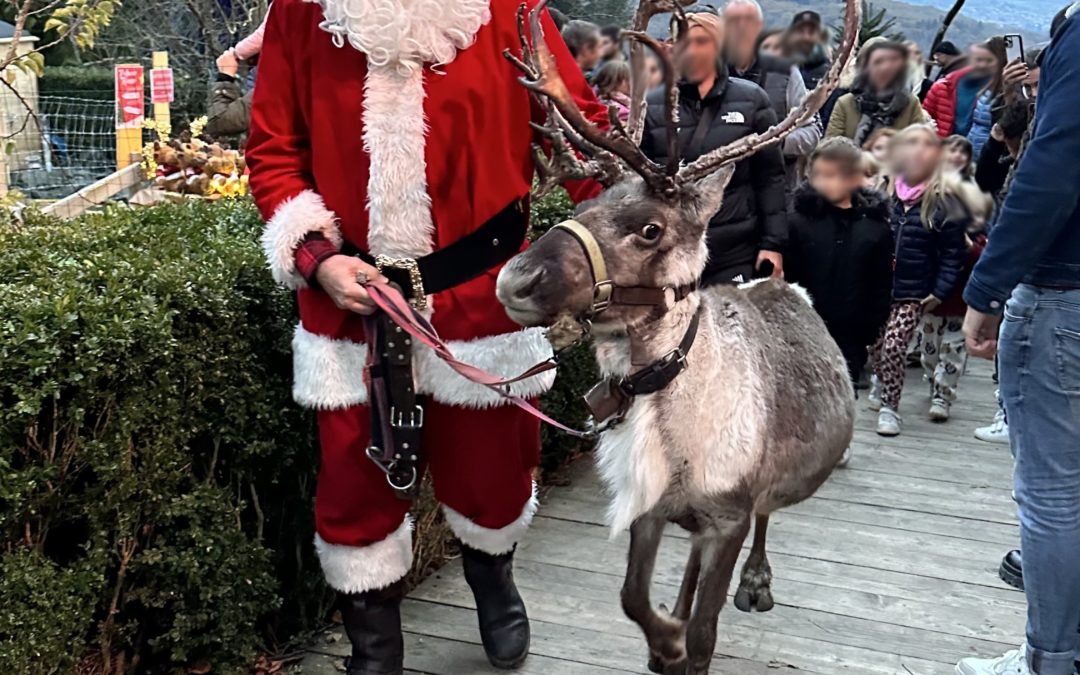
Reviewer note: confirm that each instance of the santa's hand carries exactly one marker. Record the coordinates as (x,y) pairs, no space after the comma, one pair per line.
(338,276)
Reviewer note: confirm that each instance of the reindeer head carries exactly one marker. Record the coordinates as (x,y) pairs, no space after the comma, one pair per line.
(648,228)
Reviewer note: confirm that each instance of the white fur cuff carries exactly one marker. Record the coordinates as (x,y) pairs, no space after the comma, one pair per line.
(355,569)
(328,374)
(285,231)
(503,355)
(494,542)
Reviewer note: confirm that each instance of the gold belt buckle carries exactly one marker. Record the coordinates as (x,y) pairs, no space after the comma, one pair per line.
(419,299)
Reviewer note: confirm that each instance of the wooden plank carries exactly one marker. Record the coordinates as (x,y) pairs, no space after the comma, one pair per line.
(99,192)
(889,570)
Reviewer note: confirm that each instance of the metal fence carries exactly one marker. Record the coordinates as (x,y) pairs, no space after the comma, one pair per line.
(60,144)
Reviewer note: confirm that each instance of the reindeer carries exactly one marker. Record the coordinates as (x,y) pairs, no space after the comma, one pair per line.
(733,401)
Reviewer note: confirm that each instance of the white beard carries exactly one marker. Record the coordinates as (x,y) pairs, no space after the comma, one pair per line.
(405,34)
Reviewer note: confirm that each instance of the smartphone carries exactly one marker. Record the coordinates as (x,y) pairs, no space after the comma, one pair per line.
(1014,47)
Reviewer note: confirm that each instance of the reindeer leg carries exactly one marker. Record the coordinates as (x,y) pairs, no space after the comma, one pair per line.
(689,582)
(720,551)
(665,635)
(755,587)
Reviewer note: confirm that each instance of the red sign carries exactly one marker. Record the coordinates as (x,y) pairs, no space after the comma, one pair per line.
(129,96)
(162,89)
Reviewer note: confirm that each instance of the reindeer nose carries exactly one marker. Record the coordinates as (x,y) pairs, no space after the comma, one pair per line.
(528,286)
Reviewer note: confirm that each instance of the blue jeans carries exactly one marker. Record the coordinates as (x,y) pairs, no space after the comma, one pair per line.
(1040,384)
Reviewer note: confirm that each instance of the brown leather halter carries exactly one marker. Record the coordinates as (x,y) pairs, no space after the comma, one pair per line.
(605,292)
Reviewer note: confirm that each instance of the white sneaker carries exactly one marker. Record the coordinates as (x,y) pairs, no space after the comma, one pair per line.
(939,410)
(845,458)
(888,422)
(874,397)
(997,432)
(1012,663)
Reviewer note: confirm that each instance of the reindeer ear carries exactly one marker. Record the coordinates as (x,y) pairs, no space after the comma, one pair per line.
(711,190)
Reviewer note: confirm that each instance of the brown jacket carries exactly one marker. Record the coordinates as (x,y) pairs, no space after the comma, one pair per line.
(229,110)
(845,117)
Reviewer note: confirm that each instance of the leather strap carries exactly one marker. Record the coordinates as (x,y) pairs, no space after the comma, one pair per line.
(492,244)
(659,374)
(605,292)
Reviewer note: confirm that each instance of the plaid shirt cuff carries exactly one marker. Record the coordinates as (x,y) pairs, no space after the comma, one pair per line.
(309,255)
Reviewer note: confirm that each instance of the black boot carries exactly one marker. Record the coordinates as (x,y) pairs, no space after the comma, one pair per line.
(1012,570)
(504,625)
(373,623)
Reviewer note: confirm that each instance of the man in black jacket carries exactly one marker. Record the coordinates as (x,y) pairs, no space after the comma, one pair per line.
(714,110)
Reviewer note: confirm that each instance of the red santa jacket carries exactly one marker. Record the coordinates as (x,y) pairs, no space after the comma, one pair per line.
(400,137)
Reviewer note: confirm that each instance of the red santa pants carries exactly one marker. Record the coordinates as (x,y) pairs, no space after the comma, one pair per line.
(481,463)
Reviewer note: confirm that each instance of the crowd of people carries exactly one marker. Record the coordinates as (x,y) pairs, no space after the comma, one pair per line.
(906,212)
(930,155)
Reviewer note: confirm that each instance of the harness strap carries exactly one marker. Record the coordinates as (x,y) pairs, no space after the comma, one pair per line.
(605,292)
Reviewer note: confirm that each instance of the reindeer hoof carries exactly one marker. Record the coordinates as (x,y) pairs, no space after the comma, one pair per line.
(753,599)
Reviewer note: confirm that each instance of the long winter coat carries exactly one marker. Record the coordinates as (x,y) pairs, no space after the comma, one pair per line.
(843,257)
(929,260)
(844,120)
(753,215)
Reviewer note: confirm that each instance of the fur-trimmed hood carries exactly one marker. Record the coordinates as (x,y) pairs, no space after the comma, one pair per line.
(866,202)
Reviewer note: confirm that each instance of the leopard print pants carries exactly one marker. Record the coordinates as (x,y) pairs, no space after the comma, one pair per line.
(888,356)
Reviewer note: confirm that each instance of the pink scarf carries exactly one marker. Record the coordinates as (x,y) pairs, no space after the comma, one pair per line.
(909,194)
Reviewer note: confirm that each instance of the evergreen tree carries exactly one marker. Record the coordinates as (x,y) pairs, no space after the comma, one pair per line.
(600,12)
(875,23)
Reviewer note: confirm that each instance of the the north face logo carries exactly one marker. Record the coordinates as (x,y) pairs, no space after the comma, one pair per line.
(733,117)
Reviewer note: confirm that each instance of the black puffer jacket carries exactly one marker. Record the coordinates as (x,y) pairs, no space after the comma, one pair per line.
(752,216)
(929,260)
(843,257)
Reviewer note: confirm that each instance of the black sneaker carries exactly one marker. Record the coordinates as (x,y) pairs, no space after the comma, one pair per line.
(1011,570)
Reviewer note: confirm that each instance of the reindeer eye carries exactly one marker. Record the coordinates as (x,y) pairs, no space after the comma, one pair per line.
(651,232)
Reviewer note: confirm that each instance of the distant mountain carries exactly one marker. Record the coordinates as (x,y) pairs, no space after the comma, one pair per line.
(919,20)
(1031,15)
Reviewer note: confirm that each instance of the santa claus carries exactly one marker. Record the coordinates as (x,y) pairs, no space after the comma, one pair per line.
(391,137)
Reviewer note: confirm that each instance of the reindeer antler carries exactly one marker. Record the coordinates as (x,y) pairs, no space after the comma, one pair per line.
(748,145)
(606,153)
(540,74)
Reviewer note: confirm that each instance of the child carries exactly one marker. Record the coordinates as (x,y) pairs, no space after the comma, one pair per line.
(944,356)
(840,249)
(874,177)
(879,143)
(928,224)
(612,85)
(959,156)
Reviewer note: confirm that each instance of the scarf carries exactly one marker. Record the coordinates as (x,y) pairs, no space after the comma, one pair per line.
(878,110)
(909,194)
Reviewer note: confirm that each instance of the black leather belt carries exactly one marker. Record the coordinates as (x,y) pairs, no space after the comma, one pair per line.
(495,242)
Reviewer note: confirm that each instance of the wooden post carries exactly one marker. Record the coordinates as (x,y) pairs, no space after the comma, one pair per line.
(162,112)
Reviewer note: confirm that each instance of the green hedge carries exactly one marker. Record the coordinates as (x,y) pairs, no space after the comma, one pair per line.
(156,481)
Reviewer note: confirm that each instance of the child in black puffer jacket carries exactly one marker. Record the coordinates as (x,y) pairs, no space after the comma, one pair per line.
(929,222)
(840,249)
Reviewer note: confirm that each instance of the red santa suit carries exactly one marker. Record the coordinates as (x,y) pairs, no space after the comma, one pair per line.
(401,132)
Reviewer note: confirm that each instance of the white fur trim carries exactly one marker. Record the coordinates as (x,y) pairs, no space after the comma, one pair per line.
(799,290)
(328,374)
(398,203)
(494,542)
(402,35)
(355,569)
(503,355)
(285,231)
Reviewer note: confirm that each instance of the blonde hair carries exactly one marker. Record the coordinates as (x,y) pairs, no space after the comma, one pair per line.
(939,187)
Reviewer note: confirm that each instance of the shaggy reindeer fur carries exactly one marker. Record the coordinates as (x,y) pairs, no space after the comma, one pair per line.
(756,422)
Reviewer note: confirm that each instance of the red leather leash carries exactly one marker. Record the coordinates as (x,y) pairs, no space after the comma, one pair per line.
(389,299)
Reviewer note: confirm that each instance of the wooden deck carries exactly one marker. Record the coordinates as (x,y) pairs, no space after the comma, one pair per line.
(890,570)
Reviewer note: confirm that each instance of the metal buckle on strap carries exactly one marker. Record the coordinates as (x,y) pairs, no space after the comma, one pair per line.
(402,481)
(602,292)
(415,418)
(419,299)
